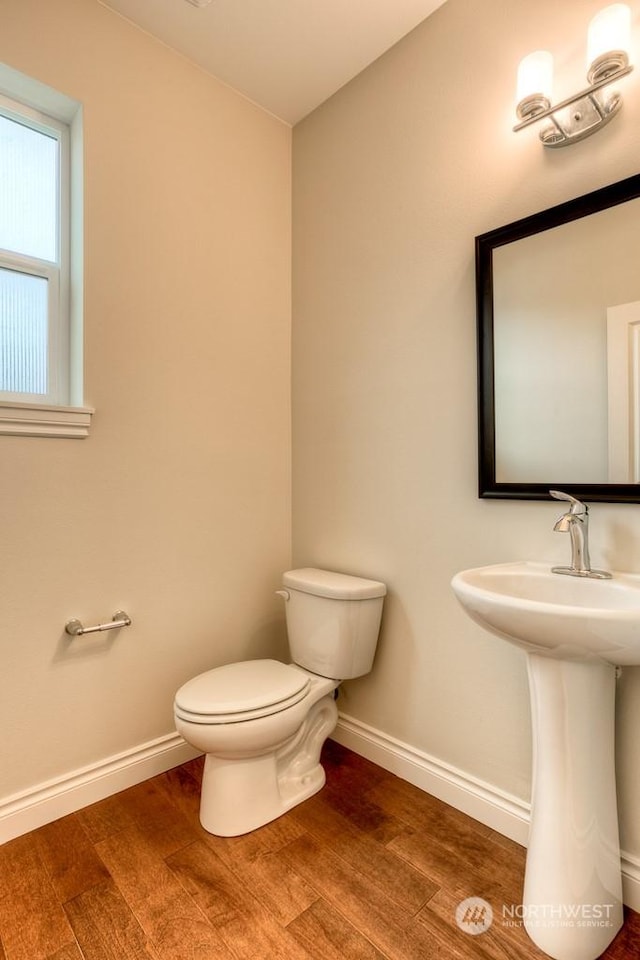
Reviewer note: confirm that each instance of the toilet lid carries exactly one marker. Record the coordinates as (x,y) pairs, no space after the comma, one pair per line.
(241,691)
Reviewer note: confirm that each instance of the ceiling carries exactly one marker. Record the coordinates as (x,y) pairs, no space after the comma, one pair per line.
(288,56)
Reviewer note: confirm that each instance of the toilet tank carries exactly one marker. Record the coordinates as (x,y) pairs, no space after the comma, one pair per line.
(333,621)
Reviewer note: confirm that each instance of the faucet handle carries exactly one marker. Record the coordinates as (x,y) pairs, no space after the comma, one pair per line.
(577,506)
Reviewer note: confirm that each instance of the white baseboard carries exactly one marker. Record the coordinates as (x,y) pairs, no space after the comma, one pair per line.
(501,811)
(631,880)
(48,801)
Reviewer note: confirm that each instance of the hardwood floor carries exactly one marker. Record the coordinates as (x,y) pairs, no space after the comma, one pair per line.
(370,868)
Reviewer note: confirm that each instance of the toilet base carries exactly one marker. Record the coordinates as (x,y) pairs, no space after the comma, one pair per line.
(240,795)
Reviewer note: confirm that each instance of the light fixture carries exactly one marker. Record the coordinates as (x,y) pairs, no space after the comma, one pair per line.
(590,109)
(199,3)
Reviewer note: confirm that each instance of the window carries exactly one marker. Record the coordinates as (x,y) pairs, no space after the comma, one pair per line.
(33,258)
(40,262)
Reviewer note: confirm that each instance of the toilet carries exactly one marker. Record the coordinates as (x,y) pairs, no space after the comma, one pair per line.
(262,723)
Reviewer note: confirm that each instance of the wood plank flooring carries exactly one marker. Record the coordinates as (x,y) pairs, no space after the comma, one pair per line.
(370,868)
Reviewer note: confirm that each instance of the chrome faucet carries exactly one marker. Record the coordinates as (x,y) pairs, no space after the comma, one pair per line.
(576,523)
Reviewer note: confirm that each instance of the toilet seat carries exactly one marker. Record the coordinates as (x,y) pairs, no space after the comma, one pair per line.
(241,691)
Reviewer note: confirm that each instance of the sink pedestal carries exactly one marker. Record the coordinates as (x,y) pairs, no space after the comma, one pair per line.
(573,890)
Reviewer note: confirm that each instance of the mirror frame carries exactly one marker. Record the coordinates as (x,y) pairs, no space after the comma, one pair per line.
(485,244)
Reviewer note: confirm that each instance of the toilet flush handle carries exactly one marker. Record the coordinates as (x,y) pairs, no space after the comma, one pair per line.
(283,593)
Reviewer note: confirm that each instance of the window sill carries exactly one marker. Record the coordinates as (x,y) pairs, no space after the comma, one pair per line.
(36,420)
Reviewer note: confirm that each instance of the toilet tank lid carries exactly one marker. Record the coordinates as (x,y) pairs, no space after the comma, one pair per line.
(337,586)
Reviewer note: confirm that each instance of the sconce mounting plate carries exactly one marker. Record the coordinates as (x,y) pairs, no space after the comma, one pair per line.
(578,116)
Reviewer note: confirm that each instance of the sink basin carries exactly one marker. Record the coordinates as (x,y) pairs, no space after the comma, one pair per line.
(569,618)
(576,633)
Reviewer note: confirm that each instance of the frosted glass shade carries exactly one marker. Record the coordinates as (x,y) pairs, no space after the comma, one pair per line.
(609,30)
(535,75)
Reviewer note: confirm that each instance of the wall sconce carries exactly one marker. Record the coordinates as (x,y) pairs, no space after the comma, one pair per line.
(590,109)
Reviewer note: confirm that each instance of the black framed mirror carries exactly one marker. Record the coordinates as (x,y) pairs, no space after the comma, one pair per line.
(558,314)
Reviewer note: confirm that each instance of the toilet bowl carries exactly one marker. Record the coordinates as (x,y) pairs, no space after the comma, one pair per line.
(262,723)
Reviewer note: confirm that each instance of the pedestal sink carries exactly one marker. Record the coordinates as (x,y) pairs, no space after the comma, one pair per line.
(575,632)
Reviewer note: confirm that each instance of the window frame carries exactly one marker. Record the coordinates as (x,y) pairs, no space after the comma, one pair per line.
(61,412)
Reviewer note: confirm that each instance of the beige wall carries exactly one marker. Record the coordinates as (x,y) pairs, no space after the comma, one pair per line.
(393,179)
(177,506)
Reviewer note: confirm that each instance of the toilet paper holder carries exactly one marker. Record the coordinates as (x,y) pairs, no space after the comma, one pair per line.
(120,619)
